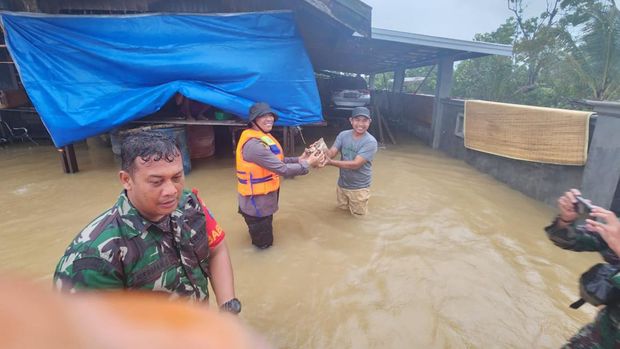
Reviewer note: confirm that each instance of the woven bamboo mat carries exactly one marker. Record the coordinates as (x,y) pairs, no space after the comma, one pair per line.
(553,136)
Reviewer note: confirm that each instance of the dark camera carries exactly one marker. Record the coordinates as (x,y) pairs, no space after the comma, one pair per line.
(583,206)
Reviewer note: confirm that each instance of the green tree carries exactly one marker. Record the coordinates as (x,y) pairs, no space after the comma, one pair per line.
(593,56)
(383,81)
(492,78)
(536,43)
(427,80)
(569,52)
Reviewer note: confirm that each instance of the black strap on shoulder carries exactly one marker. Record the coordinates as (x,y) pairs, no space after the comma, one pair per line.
(153,271)
(93,263)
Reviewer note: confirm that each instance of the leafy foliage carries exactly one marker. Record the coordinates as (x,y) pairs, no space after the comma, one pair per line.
(569,52)
(491,77)
(595,56)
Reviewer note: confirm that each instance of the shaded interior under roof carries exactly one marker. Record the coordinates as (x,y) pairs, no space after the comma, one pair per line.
(390,50)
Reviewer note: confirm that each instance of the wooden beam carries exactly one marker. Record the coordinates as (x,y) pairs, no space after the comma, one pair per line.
(399,79)
(68,159)
(353,14)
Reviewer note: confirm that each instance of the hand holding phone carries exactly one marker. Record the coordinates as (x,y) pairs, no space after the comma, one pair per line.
(583,206)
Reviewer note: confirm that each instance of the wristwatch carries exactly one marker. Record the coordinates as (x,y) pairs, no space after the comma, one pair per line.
(232,306)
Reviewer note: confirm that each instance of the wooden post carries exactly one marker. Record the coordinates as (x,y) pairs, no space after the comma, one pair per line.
(387,128)
(285,139)
(292,141)
(399,80)
(68,159)
(380,125)
(288,137)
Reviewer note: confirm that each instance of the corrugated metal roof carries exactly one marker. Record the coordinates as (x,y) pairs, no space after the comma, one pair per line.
(388,50)
(325,25)
(440,42)
(354,14)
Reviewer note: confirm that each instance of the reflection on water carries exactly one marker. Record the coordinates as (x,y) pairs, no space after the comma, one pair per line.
(447,257)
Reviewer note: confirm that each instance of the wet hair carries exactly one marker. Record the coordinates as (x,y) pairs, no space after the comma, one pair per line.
(148,145)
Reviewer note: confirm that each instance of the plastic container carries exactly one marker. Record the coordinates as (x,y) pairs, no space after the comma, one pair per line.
(220,115)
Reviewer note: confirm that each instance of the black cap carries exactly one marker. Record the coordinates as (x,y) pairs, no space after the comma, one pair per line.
(361,111)
(260,109)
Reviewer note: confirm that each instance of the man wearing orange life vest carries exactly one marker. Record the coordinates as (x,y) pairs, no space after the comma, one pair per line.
(260,164)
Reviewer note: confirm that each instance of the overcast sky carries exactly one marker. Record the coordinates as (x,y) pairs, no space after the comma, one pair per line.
(457,19)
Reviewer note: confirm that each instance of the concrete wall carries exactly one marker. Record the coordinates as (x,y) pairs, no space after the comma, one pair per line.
(602,171)
(544,182)
(599,179)
(406,112)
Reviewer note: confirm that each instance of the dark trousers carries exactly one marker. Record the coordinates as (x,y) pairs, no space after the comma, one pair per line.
(261,229)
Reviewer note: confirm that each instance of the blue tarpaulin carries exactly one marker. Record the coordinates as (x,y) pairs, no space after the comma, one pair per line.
(88,74)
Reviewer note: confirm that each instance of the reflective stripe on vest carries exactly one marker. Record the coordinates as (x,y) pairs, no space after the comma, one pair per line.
(251,178)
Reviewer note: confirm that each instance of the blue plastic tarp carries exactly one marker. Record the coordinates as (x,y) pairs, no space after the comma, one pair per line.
(86,75)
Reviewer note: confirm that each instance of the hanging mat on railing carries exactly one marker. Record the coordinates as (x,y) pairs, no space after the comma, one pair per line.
(546,135)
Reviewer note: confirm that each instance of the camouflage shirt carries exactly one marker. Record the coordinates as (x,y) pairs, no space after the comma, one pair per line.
(122,250)
(604,332)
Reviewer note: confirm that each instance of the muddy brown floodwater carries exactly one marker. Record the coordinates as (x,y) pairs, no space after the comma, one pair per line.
(447,257)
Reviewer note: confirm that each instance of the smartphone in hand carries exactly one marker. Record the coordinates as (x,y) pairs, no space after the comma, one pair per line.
(583,206)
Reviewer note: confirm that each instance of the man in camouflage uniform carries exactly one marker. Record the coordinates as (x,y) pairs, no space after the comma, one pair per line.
(601,235)
(157,237)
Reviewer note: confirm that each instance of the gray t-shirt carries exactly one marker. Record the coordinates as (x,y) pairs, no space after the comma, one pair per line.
(349,148)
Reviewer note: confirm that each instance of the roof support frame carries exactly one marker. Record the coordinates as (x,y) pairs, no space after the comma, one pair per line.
(399,80)
(442,90)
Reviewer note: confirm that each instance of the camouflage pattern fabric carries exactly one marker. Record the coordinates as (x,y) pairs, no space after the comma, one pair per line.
(577,238)
(120,249)
(604,332)
(601,334)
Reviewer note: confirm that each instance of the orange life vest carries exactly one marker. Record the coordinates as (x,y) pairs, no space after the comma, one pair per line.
(251,178)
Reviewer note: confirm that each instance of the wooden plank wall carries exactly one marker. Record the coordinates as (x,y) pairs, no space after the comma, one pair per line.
(405,111)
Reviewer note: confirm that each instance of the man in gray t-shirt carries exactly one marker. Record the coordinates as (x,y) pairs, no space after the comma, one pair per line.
(357,148)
